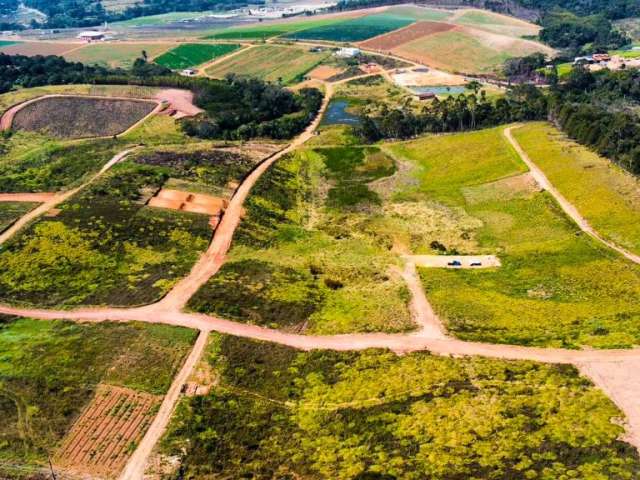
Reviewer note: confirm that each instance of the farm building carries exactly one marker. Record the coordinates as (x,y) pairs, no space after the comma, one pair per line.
(91,36)
(347,52)
(188,72)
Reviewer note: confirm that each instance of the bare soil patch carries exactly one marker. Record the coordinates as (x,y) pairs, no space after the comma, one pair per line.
(31,49)
(105,435)
(324,72)
(80,117)
(189,202)
(503,189)
(408,34)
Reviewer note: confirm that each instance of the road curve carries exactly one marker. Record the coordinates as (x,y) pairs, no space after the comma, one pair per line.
(567,206)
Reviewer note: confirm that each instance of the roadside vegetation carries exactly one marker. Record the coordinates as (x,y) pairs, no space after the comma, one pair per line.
(312,254)
(106,247)
(607,196)
(280,413)
(12,211)
(49,370)
(556,286)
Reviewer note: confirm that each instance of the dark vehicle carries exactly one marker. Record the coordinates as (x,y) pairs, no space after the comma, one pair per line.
(455,263)
(476,264)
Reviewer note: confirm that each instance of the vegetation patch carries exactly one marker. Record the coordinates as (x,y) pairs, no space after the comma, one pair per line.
(50,370)
(76,117)
(274,63)
(281,413)
(556,287)
(607,196)
(12,211)
(116,55)
(354,30)
(192,54)
(311,249)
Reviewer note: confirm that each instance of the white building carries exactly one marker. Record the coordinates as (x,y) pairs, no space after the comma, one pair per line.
(91,36)
(347,52)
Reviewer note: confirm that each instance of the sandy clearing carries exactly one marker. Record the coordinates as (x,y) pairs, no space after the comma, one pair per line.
(26,197)
(431,77)
(443,261)
(567,206)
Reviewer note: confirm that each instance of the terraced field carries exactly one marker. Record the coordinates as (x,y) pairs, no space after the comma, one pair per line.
(193,54)
(274,63)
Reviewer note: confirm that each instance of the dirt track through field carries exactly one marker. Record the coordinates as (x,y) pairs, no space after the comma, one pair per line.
(602,366)
(568,208)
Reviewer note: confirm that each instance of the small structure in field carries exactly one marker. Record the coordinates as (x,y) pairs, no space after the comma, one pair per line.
(91,36)
(347,52)
(189,72)
(426,96)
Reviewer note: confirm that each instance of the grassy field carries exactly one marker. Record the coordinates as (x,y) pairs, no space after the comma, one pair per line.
(497,23)
(12,211)
(280,413)
(161,19)
(193,54)
(420,13)
(270,62)
(116,54)
(354,30)
(368,95)
(49,371)
(77,117)
(264,31)
(308,257)
(6,43)
(31,49)
(606,195)
(556,287)
(467,50)
(105,246)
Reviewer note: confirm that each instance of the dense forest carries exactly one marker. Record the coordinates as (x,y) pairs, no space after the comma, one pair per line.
(84,13)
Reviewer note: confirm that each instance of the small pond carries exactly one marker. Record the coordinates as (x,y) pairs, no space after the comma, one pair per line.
(337,114)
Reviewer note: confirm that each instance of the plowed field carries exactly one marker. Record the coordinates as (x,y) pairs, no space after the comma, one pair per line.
(102,439)
(405,35)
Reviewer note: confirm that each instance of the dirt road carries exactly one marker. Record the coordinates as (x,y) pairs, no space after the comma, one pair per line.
(568,208)
(57,199)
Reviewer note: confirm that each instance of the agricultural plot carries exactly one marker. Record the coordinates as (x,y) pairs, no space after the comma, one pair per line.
(420,13)
(12,211)
(556,287)
(273,63)
(78,117)
(607,196)
(281,413)
(467,50)
(312,254)
(51,370)
(368,95)
(497,23)
(400,37)
(110,427)
(192,54)
(354,30)
(116,55)
(31,49)
(106,246)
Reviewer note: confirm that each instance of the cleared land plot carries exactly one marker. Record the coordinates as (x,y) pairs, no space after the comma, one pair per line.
(50,371)
(556,286)
(405,35)
(354,30)
(103,438)
(116,54)
(192,54)
(467,50)
(31,49)
(78,117)
(12,211)
(312,254)
(282,413)
(269,62)
(497,23)
(106,246)
(607,196)
(264,31)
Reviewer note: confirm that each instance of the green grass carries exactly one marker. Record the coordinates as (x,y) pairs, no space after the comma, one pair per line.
(6,43)
(280,413)
(161,19)
(496,23)
(307,257)
(355,30)
(556,287)
(264,31)
(270,62)
(49,371)
(115,55)
(12,211)
(192,54)
(607,196)
(420,13)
